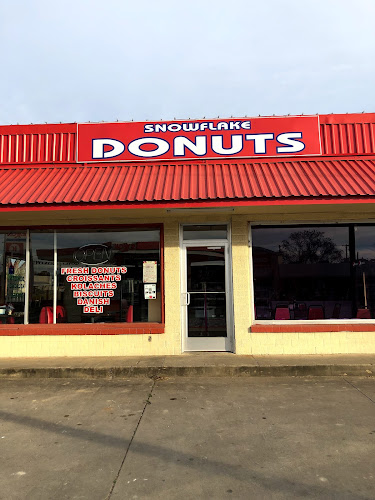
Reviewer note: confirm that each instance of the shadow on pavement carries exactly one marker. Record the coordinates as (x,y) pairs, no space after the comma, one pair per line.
(211,467)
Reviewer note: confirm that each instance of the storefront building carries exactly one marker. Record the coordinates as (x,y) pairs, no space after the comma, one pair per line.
(250,235)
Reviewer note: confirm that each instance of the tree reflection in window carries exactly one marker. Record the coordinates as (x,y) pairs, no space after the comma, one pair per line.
(310,246)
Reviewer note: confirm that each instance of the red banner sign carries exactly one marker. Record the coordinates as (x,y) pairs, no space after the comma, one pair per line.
(235,137)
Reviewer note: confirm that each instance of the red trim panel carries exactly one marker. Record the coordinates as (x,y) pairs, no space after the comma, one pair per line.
(20,144)
(306,328)
(199,204)
(83,329)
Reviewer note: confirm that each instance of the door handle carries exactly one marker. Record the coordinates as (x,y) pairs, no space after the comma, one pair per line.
(187,301)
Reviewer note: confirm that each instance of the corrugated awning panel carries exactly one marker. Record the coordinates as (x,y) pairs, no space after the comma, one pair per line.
(38,143)
(348,138)
(188,181)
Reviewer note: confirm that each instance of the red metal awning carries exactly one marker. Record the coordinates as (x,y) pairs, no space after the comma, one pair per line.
(148,183)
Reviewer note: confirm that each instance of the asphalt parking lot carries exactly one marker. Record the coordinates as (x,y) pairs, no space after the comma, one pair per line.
(172,438)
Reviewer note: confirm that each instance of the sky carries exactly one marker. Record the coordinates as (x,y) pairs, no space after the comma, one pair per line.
(90,60)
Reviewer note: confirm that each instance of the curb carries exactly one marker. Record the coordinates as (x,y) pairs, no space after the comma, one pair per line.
(364,370)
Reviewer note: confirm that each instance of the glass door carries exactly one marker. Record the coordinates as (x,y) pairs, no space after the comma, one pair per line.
(206,297)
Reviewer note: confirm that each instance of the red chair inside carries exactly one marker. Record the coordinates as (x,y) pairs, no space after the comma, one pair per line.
(363,314)
(60,314)
(46,315)
(282,313)
(129,315)
(316,312)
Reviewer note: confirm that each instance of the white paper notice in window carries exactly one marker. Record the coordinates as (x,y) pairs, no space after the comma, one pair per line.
(150,274)
(150,291)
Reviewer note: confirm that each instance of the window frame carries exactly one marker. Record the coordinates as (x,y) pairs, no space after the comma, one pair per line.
(295,325)
(143,326)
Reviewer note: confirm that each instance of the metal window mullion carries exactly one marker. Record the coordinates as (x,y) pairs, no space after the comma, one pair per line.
(54,275)
(27,280)
(251,277)
(229,294)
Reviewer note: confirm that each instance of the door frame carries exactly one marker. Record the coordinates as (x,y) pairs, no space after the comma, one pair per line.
(223,344)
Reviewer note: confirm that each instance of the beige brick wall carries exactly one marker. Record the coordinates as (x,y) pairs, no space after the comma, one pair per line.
(241,284)
(172,287)
(82,345)
(134,345)
(313,343)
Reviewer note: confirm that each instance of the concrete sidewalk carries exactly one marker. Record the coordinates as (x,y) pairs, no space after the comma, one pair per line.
(191,364)
(221,438)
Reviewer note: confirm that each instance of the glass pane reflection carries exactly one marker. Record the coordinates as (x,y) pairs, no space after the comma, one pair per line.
(302,272)
(364,266)
(206,269)
(12,277)
(205,232)
(207,315)
(41,274)
(108,296)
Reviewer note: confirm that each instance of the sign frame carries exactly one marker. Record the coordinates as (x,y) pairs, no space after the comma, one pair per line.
(117,132)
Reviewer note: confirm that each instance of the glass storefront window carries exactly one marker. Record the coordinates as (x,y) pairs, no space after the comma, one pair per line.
(41,276)
(81,276)
(101,275)
(364,266)
(302,273)
(12,277)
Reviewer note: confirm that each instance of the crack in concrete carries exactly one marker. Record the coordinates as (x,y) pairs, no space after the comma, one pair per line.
(147,402)
(359,390)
